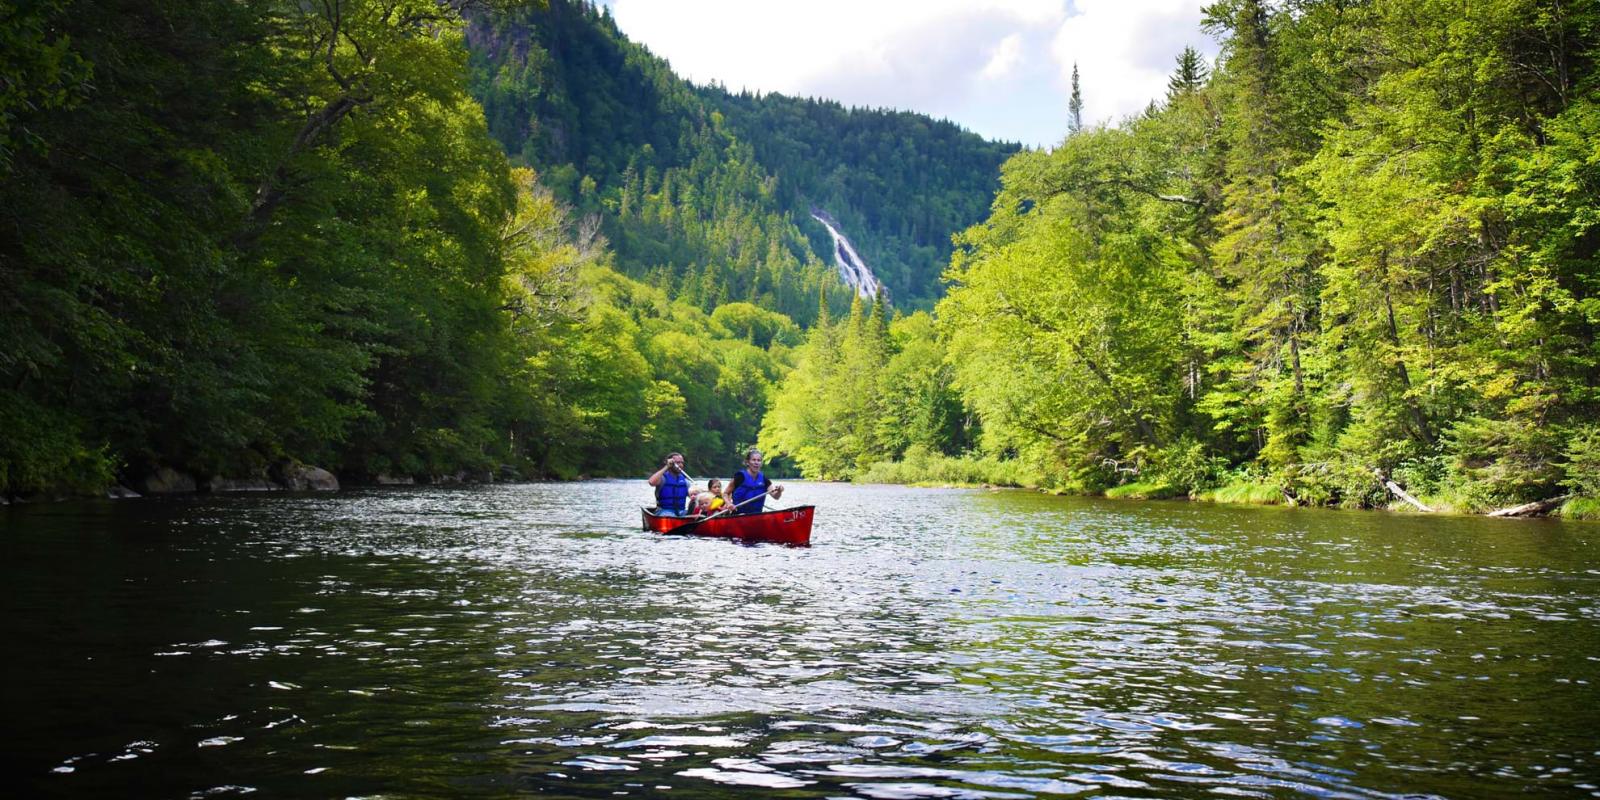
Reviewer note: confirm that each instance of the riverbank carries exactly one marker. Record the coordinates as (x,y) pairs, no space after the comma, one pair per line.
(927,471)
(923,469)
(284,477)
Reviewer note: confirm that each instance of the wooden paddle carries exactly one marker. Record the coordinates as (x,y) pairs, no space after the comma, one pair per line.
(719,512)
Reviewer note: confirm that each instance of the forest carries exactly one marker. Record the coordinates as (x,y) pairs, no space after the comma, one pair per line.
(1357,250)
(434,241)
(241,238)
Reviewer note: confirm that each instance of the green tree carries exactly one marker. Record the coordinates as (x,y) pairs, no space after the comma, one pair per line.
(1075,104)
(1190,74)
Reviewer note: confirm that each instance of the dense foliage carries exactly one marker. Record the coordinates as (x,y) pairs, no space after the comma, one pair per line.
(709,194)
(865,389)
(239,235)
(1364,245)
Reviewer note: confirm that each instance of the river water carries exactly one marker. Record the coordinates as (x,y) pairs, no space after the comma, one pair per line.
(530,639)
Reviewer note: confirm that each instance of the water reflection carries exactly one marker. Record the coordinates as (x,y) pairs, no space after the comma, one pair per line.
(529,639)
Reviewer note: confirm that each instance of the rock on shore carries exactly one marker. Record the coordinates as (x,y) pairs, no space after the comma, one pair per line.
(167,480)
(303,477)
(255,484)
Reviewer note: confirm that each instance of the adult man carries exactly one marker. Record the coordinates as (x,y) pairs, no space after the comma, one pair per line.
(672,487)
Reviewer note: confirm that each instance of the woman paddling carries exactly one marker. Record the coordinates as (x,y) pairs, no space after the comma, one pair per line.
(749,484)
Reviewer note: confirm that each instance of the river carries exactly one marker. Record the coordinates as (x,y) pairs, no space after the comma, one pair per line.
(529,639)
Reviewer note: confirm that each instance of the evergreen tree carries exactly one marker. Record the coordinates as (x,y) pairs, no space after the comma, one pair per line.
(1075,104)
(1190,74)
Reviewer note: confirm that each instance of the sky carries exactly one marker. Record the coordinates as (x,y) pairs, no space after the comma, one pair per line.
(1001,68)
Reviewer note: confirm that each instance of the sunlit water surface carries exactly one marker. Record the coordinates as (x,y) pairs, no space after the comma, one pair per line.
(530,639)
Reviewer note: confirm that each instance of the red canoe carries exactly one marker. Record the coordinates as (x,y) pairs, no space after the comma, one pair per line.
(786,526)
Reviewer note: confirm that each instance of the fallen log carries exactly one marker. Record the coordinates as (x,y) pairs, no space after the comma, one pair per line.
(1536,507)
(1394,488)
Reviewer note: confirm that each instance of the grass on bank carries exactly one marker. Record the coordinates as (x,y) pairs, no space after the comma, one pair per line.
(1144,490)
(1581,508)
(1248,492)
(1444,501)
(923,467)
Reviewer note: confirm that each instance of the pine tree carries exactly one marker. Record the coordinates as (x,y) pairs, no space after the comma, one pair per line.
(1190,75)
(1268,251)
(1075,105)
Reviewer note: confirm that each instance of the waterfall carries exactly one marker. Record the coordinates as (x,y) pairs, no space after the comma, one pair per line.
(852,269)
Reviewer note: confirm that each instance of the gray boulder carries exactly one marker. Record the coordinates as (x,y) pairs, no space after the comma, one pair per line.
(117,492)
(167,480)
(385,479)
(303,477)
(242,485)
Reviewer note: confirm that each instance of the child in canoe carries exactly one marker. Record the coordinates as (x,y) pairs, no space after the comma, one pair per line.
(709,501)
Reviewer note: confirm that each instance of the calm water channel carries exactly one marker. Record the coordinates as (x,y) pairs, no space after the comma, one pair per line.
(529,639)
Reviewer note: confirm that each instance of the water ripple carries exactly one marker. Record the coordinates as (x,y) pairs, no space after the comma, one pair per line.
(525,639)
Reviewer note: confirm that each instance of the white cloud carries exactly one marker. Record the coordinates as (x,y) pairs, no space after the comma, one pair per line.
(1000,68)
(1125,50)
(1005,58)
(797,48)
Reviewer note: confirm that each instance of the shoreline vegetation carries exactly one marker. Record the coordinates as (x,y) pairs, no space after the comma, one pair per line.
(1345,264)
(933,472)
(955,472)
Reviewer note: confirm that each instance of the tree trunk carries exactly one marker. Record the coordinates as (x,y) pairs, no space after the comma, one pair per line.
(1536,507)
(270,193)
(1417,417)
(1394,488)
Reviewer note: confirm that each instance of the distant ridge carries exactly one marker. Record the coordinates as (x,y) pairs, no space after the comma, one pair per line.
(708,193)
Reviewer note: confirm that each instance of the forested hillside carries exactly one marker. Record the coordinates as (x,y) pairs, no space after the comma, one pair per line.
(618,136)
(900,183)
(1363,248)
(237,238)
(708,194)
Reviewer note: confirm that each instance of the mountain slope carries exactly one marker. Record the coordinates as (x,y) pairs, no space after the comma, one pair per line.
(709,194)
(615,134)
(899,183)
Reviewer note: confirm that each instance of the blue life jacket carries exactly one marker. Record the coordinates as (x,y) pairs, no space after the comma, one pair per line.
(673,493)
(747,488)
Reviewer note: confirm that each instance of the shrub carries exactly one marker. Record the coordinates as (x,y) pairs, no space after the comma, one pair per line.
(1582,465)
(1502,461)
(1188,466)
(1422,475)
(923,466)
(42,449)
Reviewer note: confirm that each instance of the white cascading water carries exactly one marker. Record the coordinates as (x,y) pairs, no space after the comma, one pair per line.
(852,269)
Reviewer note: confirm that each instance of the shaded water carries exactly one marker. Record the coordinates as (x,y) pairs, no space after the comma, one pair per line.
(529,639)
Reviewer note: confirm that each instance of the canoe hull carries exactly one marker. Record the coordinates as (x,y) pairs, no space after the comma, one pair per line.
(786,526)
